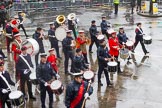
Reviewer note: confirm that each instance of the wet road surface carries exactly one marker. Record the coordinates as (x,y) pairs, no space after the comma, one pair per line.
(140,84)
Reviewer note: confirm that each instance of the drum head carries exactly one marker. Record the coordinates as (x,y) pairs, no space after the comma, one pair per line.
(112,63)
(100,37)
(88,75)
(33,76)
(147,38)
(55,85)
(15,94)
(32,45)
(129,43)
(60,33)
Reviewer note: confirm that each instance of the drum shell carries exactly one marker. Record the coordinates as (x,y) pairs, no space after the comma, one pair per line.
(112,69)
(124,54)
(57,89)
(129,47)
(33,80)
(18,101)
(147,42)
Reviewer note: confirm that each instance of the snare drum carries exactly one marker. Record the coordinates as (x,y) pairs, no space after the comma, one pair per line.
(112,66)
(57,87)
(33,78)
(147,40)
(124,53)
(17,98)
(130,45)
(88,75)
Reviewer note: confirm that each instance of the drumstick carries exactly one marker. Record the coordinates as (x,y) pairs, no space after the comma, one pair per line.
(89,84)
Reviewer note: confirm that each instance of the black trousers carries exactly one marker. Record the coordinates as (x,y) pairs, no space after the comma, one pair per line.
(1,53)
(25,79)
(100,70)
(105,33)
(116,8)
(3,23)
(93,40)
(43,90)
(5,98)
(54,44)
(21,26)
(137,40)
(68,54)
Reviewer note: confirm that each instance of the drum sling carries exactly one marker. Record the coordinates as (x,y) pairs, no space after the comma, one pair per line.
(78,98)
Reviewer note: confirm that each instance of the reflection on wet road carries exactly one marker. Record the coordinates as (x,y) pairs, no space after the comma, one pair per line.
(140,84)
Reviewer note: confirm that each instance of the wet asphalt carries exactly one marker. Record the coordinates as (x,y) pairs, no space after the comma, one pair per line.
(140,84)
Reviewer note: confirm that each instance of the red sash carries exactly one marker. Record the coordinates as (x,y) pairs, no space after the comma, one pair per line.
(78,98)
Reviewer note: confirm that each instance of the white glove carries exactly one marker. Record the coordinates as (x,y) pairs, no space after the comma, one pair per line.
(58,76)
(4,91)
(86,95)
(26,71)
(45,84)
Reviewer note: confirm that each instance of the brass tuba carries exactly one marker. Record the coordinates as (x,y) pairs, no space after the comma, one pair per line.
(71,16)
(60,19)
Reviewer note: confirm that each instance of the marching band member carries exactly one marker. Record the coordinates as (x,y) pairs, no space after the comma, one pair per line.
(114,48)
(5,89)
(76,92)
(68,47)
(139,38)
(11,30)
(16,46)
(103,58)
(22,66)
(122,37)
(38,36)
(16,49)
(79,62)
(21,19)
(52,59)
(53,40)
(45,74)
(93,33)
(104,26)
(82,41)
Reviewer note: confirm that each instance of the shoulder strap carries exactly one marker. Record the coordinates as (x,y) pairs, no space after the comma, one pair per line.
(4,79)
(25,61)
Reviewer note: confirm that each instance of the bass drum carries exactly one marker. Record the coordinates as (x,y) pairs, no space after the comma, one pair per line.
(60,33)
(32,45)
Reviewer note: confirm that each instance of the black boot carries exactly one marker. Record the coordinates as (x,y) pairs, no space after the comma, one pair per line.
(100,84)
(85,58)
(119,70)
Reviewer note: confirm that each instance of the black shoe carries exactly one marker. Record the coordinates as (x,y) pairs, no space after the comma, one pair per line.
(109,84)
(100,84)
(128,62)
(90,52)
(33,98)
(132,51)
(146,53)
